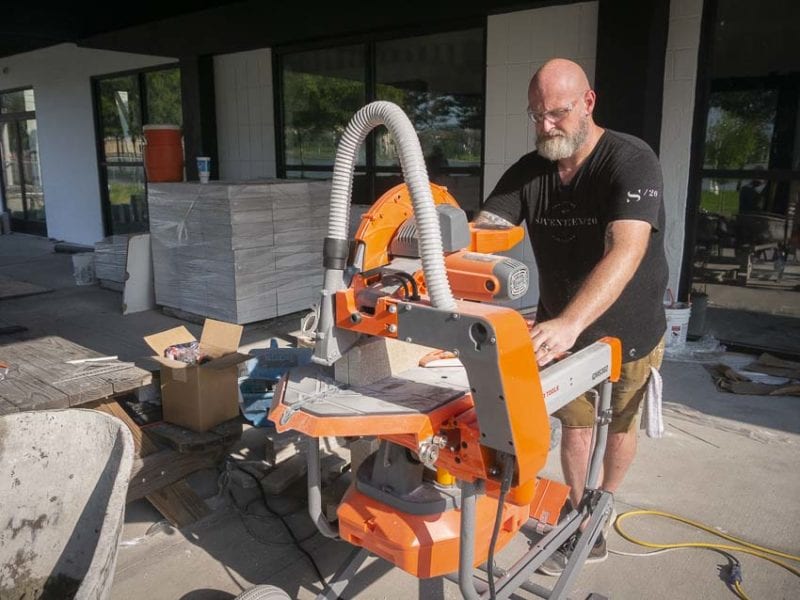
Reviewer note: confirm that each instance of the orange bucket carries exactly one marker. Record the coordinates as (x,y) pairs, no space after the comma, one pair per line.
(163,153)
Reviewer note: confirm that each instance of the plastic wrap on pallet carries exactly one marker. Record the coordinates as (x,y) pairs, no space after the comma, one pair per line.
(238,252)
(110,258)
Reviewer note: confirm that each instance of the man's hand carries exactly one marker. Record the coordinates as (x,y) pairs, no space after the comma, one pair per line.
(552,338)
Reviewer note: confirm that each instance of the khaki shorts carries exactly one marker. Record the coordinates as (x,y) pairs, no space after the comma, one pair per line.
(626,396)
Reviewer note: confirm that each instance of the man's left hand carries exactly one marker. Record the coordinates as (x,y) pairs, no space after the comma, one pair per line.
(552,338)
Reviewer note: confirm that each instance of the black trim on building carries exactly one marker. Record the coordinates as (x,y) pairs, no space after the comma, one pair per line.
(198,103)
(702,93)
(629,72)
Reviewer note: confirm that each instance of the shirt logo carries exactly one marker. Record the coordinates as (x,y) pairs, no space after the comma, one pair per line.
(562,226)
(639,194)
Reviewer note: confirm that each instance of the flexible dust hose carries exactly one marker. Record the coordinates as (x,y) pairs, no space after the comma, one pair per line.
(415,174)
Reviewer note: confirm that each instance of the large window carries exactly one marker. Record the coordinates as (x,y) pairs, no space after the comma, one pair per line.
(436,79)
(20,176)
(746,250)
(123,104)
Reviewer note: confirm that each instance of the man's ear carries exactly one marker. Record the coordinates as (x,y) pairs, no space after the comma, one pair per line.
(589,99)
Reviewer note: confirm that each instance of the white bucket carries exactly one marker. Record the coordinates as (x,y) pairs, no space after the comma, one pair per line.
(83,268)
(677,325)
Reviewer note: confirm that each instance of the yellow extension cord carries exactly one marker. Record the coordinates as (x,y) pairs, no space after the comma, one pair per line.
(747,547)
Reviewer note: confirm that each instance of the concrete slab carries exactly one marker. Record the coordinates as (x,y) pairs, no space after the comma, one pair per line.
(727,460)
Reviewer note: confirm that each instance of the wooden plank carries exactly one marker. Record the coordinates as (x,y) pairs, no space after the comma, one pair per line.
(45,359)
(155,471)
(143,444)
(129,379)
(179,504)
(28,393)
(186,440)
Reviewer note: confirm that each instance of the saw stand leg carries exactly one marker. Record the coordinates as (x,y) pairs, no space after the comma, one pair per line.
(508,581)
(596,503)
(341,579)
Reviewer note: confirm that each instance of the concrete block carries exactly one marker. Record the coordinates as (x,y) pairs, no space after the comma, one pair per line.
(295,467)
(285,474)
(376,358)
(333,493)
(280,447)
(360,449)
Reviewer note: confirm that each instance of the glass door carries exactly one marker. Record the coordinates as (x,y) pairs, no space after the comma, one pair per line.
(124,103)
(745,251)
(21,179)
(121,162)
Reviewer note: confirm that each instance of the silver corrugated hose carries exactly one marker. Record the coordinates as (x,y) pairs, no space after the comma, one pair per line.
(327,348)
(415,174)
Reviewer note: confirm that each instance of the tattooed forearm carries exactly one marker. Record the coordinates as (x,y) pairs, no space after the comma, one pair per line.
(491,220)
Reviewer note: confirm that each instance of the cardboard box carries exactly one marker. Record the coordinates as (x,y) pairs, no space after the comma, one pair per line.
(199,397)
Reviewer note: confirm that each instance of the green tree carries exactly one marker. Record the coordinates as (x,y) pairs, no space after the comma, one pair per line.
(735,143)
(318,109)
(740,135)
(164,97)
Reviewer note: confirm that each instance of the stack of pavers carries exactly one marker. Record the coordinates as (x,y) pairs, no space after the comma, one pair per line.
(238,252)
(110,261)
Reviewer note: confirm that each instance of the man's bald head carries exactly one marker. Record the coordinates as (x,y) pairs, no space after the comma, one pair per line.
(560,102)
(558,77)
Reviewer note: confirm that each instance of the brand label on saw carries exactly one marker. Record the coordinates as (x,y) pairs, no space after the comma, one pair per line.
(552,391)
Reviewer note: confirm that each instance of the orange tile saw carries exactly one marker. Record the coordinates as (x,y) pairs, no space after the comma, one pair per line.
(455,477)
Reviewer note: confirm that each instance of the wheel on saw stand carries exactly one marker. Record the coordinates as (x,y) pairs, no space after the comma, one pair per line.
(263,592)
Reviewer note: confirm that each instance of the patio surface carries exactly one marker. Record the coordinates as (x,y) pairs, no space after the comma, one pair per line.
(729,461)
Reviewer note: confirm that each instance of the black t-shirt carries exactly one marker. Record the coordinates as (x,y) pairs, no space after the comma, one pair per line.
(620,179)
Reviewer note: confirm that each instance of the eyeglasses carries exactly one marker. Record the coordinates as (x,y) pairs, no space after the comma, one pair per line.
(554,116)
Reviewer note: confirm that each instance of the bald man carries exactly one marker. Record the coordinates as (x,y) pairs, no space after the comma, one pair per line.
(592,201)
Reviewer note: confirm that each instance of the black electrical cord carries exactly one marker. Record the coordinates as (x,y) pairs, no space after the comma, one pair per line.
(407,292)
(505,485)
(289,530)
(412,281)
(273,516)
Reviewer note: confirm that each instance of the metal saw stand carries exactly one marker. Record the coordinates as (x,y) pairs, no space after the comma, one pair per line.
(596,504)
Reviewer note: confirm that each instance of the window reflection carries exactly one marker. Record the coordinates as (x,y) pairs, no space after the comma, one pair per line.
(124,104)
(436,79)
(127,199)
(17,102)
(21,177)
(120,111)
(745,256)
(322,91)
(739,129)
(164,97)
(747,234)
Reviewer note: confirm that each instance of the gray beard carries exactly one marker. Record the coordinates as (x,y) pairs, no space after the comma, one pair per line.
(562,146)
